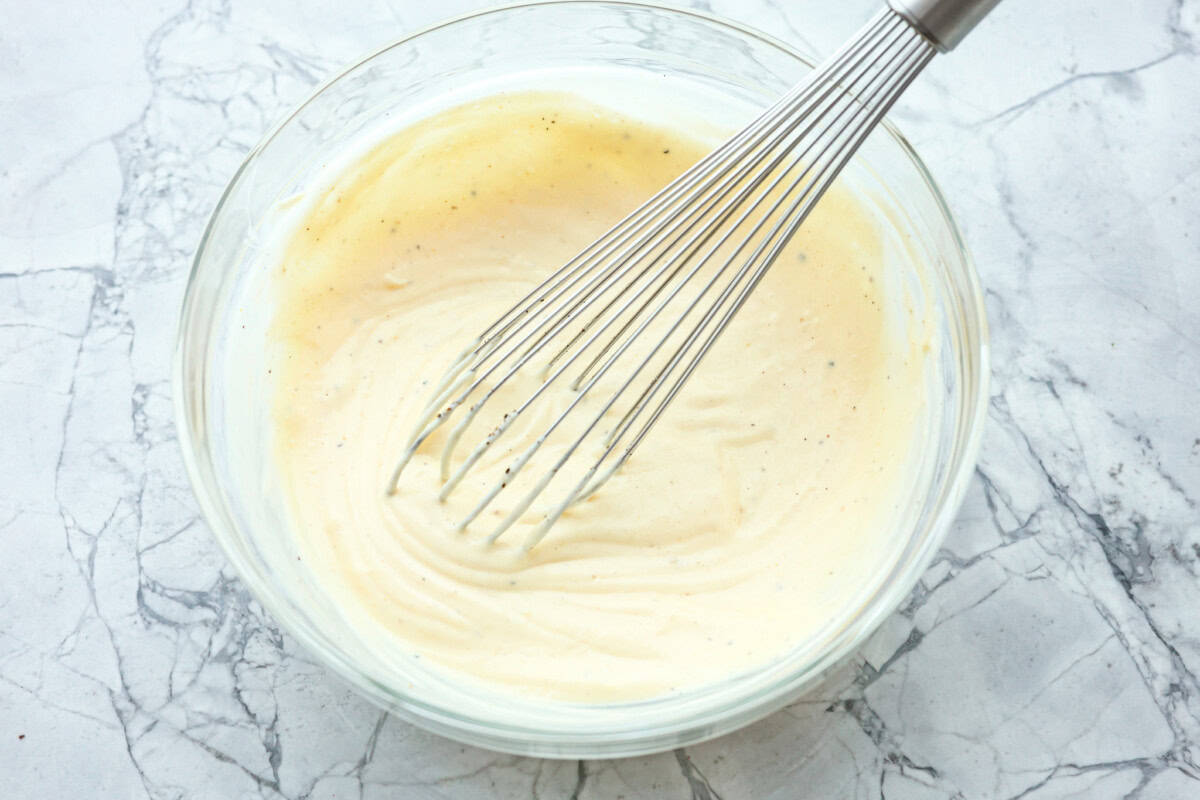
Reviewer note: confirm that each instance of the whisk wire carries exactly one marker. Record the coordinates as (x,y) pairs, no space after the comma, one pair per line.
(731,206)
(466,368)
(762,183)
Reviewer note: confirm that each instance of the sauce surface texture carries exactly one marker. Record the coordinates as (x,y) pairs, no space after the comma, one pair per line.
(753,513)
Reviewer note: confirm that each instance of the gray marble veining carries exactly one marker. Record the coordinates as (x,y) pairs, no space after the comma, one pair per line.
(1051,651)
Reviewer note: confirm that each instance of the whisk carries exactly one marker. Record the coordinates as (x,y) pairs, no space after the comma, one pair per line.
(717,228)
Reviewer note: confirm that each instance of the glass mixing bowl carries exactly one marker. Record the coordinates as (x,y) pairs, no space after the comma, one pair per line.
(221,405)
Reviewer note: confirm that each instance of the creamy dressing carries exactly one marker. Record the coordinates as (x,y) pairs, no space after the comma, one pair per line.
(755,512)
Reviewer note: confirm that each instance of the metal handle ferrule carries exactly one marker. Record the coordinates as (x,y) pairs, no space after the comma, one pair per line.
(943,22)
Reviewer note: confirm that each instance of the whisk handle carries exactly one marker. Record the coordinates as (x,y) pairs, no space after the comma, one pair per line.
(943,22)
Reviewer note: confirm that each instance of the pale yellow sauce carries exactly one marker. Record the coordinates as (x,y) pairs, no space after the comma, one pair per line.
(753,513)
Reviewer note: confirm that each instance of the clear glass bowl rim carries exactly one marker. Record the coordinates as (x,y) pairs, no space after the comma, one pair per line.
(519,740)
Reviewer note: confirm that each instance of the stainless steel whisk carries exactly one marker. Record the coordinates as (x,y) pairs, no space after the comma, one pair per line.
(719,226)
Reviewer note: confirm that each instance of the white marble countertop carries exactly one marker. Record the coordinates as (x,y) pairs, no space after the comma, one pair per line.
(1051,651)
